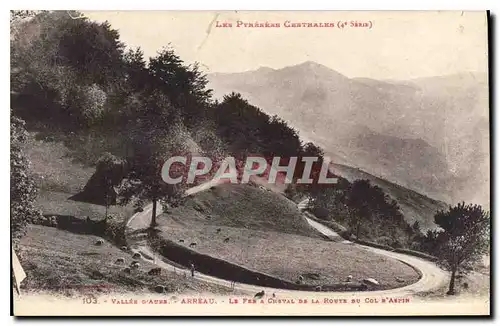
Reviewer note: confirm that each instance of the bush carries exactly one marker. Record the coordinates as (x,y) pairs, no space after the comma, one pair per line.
(86,102)
(321,213)
(46,221)
(384,240)
(114,230)
(396,244)
(415,245)
(111,228)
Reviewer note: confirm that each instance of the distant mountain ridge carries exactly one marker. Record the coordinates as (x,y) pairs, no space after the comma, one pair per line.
(429,134)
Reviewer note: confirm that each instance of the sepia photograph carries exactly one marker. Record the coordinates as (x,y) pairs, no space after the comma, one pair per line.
(250,163)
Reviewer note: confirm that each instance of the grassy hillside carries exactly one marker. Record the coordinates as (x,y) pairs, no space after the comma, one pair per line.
(53,166)
(265,232)
(59,178)
(414,206)
(245,206)
(67,263)
(60,261)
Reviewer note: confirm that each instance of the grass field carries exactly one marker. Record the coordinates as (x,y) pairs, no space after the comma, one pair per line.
(59,178)
(59,203)
(267,234)
(54,168)
(246,207)
(67,263)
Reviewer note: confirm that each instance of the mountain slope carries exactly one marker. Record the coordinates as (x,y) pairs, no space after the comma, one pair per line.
(436,127)
(414,206)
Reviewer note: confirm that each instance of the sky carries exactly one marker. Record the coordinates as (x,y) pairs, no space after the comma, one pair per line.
(399,45)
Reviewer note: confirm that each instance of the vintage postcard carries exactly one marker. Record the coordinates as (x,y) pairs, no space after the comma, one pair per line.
(263,163)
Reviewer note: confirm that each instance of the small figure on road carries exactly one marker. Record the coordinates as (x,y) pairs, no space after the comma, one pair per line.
(191,267)
(259,295)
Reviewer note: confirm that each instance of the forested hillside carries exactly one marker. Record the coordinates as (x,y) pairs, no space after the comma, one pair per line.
(73,81)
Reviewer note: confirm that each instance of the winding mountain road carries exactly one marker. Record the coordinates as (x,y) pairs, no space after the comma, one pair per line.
(432,277)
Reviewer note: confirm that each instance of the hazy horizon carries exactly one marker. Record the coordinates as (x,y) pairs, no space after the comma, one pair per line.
(400,46)
(354,77)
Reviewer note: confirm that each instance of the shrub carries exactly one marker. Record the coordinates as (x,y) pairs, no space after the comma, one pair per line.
(415,245)
(321,213)
(116,232)
(45,221)
(396,243)
(85,102)
(384,240)
(110,228)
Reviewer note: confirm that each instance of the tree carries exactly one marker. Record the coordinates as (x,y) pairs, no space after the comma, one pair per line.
(144,183)
(416,228)
(358,202)
(316,192)
(464,239)
(429,242)
(367,207)
(159,133)
(23,190)
(136,72)
(87,105)
(240,124)
(19,15)
(414,235)
(279,139)
(62,69)
(185,85)
(111,168)
(392,220)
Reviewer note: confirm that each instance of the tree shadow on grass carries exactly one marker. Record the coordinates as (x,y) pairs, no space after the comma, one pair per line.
(84,198)
(79,225)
